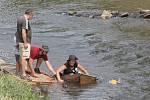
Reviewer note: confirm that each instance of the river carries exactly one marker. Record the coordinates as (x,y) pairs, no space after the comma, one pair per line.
(109,49)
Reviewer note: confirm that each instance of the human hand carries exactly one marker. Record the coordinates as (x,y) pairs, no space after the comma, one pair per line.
(25,45)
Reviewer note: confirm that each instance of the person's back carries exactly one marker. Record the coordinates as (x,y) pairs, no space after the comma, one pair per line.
(23,39)
(23,23)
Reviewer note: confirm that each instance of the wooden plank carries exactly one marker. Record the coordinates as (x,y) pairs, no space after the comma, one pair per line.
(43,79)
(86,79)
(71,78)
(80,78)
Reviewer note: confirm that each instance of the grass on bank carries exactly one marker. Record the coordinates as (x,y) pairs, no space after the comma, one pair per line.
(124,5)
(12,88)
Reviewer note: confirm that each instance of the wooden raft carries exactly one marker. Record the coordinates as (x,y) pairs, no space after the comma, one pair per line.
(41,80)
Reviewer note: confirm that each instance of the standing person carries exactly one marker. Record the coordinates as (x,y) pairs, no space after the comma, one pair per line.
(23,40)
(40,54)
(70,67)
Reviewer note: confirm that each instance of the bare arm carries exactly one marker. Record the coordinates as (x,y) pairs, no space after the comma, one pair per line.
(83,69)
(59,70)
(24,35)
(50,67)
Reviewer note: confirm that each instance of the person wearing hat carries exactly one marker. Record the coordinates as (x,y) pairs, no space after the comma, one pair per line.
(40,54)
(70,67)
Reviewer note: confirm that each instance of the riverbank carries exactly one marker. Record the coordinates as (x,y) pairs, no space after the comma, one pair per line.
(123,5)
(14,88)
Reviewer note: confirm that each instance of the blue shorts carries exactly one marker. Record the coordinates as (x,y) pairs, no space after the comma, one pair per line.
(17,56)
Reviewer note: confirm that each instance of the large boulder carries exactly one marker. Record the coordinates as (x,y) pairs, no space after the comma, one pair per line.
(106,14)
(144,11)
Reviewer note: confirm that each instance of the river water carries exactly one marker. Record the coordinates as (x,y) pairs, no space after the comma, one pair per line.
(104,47)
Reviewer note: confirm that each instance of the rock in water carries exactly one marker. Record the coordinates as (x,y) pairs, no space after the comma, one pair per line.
(72,13)
(115,13)
(147,16)
(106,14)
(2,62)
(143,11)
(126,14)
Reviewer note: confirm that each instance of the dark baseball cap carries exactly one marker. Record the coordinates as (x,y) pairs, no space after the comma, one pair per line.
(45,48)
(72,57)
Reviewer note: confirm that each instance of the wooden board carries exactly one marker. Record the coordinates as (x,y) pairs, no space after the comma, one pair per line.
(43,79)
(86,79)
(80,78)
(71,78)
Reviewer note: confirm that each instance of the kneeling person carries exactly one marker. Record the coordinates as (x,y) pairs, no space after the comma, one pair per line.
(70,67)
(40,54)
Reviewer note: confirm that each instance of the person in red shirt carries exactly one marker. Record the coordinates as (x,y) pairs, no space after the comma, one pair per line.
(40,54)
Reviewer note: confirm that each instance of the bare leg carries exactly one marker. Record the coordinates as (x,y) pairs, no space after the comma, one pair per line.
(23,64)
(31,69)
(18,65)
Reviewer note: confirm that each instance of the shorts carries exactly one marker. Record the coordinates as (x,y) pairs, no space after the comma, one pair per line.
(17,56)
(24,53)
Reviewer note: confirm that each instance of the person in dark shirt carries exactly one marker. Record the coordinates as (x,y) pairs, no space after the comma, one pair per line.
(70,67)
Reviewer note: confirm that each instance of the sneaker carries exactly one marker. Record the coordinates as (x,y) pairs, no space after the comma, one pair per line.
(37,70)
(25,77)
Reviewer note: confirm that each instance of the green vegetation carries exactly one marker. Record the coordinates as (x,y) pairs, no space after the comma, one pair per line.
(124,5)
(12,88)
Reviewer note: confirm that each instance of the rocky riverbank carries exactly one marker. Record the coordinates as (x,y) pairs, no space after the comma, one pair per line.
(107,14)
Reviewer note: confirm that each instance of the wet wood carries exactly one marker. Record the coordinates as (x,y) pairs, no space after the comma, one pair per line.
(71,78)
(80,78)
(86,79)
(43,79)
